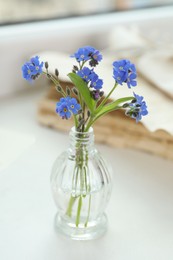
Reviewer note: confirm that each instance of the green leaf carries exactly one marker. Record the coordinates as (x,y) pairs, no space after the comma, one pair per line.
(84,91)
(112,106)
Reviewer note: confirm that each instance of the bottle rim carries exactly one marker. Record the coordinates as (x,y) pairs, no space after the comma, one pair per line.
(84,136)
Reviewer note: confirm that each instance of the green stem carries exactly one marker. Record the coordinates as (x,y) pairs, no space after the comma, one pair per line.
(89,124)
(74,186)
(98,116)
(80,174)
(81,66)
(78,211)
(89,208)
(70,205)
(106,98)
(75,121)
(85,180)
(76,179)
(83,116)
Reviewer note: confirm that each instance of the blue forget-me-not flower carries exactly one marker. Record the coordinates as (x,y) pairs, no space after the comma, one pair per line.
(88,53)
(124,72)
(137,108)
(67,106)
(32,69)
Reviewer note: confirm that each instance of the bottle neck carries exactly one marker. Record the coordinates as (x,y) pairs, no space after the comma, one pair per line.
(81,140)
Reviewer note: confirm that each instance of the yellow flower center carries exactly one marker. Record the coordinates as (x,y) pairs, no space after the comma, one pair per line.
(65,109)
(29,72)
(37,68)
(121,68)
(72,106)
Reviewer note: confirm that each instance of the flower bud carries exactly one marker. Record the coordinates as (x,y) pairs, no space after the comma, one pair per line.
(68,91)
(101,93)
(88,113)
(48,75)
(75,91)
(134,100)
(75,68)
(56,72)
(125,105)
(59,88)
(46,65)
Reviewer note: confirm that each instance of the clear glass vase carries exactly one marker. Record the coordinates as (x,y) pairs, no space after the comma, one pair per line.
(81,186)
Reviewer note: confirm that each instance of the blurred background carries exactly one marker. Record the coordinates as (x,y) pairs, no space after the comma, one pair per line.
(51,9)
(32,26)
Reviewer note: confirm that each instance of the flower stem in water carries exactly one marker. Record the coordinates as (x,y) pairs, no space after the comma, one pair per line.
(78,211)
(70,205)
(89,207)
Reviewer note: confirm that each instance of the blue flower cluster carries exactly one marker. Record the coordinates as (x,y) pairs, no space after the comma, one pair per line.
(88,53)
(32,69)
(84,54)
(67,106)
(89,76)
(124,71)
(137,108)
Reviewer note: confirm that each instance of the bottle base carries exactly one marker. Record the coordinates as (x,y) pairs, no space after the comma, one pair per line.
(94,230)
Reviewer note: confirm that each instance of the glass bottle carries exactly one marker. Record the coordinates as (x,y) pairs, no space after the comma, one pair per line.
(81,188)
